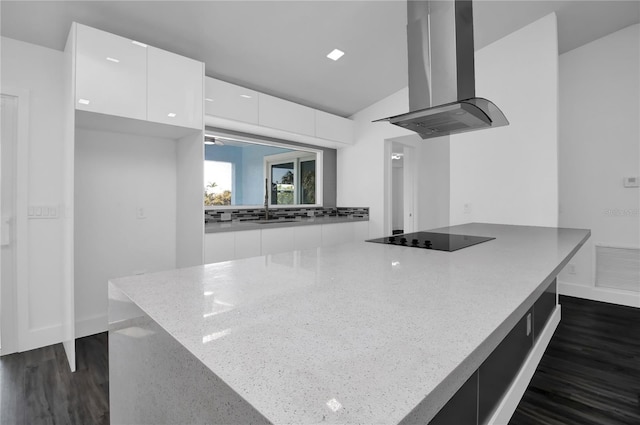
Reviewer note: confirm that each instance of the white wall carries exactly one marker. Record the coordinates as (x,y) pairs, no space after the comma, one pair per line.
(40,71)
(115,175)
(507,175)
(433,176)
(599,145)
(360,168)
(510,174)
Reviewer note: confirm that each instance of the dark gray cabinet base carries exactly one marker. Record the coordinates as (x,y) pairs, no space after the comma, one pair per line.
(476,400)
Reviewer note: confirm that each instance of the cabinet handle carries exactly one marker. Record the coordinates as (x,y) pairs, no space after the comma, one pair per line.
(528,324)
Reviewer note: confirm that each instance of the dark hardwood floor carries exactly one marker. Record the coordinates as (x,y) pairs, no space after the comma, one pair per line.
(36,387)
(590,374)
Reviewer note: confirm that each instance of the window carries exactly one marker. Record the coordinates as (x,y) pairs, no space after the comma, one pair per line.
(292,177)
(218,177)
(239,170)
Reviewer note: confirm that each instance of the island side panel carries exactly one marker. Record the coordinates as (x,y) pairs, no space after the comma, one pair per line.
(154,379)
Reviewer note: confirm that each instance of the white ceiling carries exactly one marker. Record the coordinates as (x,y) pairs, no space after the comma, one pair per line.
(279,47)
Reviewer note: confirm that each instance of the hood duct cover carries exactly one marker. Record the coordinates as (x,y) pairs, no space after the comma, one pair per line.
(441,72)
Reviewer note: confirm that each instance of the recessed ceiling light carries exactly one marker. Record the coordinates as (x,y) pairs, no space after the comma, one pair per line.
(83,101)
(246,96)
(137,43)
(335,54)
(171,115)
(110,59)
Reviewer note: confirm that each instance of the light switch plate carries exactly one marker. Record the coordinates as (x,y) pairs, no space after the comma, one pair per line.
(42,212)
(631,181)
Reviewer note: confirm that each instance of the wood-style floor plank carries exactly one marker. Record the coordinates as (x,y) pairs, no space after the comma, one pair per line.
(590,373)
(37,386)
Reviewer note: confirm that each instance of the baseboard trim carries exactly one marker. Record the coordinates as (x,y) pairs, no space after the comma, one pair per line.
(91,325)
(612,296)
(39,337)
(514,394)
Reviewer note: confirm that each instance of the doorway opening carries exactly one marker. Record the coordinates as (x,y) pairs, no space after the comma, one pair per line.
(399,188)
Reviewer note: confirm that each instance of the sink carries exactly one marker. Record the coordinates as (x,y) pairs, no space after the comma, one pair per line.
(271,221)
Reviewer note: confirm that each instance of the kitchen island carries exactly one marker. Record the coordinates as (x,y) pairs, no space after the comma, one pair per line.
(355,333)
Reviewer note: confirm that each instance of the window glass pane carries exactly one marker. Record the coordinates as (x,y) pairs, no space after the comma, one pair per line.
(308,182)
(218,178)
(283,184)
(235,172)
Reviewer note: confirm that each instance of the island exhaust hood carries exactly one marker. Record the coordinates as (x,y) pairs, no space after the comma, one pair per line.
(441,72)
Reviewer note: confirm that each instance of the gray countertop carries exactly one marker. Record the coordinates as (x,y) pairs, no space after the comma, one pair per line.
(236,226)
(360,332)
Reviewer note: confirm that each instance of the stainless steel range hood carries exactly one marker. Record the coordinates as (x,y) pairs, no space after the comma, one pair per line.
(441,72)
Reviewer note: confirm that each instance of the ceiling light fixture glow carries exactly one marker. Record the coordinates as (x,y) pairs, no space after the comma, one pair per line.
(335,54)
(110,59)
(171,115)
(83,101)
(208,99)
(246,96)
(137,43)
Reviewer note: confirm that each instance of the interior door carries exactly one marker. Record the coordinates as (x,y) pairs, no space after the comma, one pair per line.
(8,156)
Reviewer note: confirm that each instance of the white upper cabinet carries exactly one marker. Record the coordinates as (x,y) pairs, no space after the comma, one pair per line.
(227,100)
(284,115)
(175,89)
(244,106)
(125,78)
(111,74)
(333,127)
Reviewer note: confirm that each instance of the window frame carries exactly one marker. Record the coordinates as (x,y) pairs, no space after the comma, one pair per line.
(295,157)
(305,152)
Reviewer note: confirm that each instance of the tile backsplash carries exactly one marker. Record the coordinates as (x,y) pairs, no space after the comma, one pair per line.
(248,214)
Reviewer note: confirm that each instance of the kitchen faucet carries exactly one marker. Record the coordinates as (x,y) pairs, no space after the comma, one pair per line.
(266,199)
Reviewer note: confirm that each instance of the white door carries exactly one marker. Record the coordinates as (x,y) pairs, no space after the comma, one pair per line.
(8,156)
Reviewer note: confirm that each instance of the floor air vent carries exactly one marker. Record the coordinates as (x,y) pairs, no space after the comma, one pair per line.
(618,268)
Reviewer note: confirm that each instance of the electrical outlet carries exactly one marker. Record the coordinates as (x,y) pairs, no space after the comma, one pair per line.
(571,268)
(225,217)
(467,208)
(140,213)
(310,213)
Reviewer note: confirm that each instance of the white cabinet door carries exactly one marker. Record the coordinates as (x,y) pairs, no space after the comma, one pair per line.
(334,234)
(111,74)
(360,231)
(175,89)
(219,247)
(333,127)
(227,100)
(248,244)
(277,240)
(307,237)
(285,115)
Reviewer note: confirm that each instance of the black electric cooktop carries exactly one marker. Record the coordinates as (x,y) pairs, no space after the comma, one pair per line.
(429,240)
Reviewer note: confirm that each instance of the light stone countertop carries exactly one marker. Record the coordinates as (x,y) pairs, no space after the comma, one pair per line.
(236,226)
(355,333)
